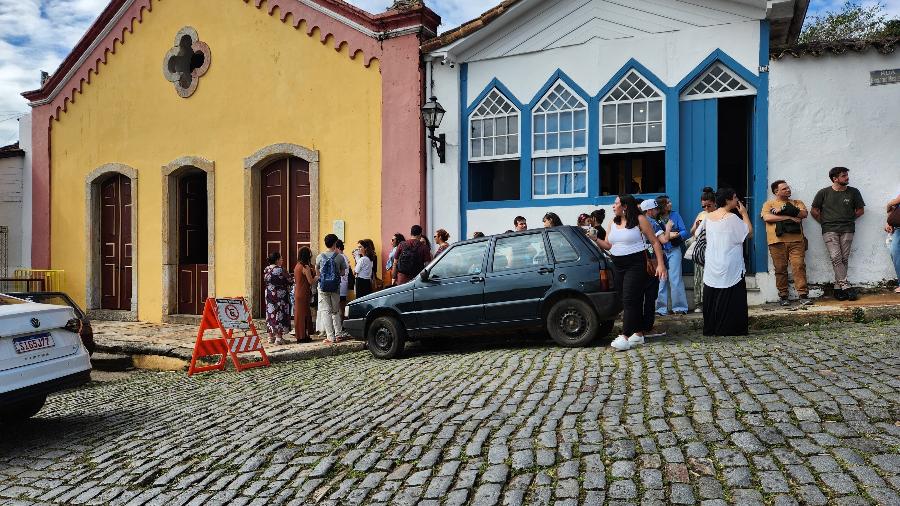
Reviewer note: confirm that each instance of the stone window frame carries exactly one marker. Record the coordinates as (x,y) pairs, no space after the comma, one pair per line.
(197,46)
(253,165)
(92,232)
(171,173)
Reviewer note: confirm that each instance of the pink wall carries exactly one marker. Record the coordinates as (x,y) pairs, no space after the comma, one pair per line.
(40,187)
(402,133)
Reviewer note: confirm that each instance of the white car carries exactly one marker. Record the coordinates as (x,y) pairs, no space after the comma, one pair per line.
(40,353)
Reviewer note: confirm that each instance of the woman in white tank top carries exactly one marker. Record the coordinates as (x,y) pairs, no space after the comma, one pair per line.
(626,240)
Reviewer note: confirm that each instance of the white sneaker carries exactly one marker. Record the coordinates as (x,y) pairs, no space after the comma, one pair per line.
(621,343)
(636,339)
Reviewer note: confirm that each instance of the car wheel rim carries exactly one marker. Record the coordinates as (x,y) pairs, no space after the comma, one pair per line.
(572,323)
(383,339)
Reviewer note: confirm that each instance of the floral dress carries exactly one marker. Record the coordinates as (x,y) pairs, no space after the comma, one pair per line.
(278,307)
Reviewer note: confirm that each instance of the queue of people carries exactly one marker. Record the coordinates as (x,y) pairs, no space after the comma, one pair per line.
(645,241)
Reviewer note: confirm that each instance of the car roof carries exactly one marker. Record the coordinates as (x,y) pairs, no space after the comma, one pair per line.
(512,234)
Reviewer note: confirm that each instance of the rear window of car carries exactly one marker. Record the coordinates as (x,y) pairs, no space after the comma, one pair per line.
(6,300)
(519,252)
(563,251)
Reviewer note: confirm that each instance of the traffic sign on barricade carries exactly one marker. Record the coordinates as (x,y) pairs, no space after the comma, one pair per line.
(227,315)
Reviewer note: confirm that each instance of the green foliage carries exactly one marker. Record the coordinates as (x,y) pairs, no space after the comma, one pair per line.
(853,21)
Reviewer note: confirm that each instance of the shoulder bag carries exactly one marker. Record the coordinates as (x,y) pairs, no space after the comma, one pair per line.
(894,217)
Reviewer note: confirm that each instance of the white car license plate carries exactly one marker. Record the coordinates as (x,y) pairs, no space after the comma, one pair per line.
(33,342)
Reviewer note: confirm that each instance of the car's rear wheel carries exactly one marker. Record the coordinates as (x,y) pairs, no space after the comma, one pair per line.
(572,323)
(386,337)
(22,410)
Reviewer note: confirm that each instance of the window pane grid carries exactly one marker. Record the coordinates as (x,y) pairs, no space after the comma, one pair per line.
(494,128)
(564,176)
(559,122)
(631,114)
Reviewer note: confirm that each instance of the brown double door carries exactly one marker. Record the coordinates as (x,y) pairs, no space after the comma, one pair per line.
(193,247)
(115,243)
(285,213)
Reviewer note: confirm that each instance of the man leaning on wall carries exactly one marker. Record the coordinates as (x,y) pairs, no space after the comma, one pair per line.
(787,244)
(837,207)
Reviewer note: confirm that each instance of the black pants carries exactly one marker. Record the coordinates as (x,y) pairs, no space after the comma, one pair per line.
(638,292)
(363,287)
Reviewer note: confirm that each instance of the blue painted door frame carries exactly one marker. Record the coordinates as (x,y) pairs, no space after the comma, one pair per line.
(698,152)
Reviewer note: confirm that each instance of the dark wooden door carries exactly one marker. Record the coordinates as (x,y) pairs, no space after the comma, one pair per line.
(115,243)
(285,209)
(193,249)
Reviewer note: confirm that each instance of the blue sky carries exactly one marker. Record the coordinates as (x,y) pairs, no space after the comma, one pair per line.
(36,35)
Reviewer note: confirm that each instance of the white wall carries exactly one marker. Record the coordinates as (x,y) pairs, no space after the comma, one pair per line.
(11,209)
(823,113)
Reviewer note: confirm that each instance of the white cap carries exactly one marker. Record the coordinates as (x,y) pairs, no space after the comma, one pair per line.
(648,204)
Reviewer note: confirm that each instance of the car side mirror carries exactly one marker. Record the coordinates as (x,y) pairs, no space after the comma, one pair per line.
(424,276)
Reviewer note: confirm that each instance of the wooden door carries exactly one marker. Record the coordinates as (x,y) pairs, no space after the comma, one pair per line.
(285,209)
(193,249)
(115,243)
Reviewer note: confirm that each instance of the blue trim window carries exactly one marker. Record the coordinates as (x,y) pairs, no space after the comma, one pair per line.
(494,129)
(719,81)
(559,143)
(632,115)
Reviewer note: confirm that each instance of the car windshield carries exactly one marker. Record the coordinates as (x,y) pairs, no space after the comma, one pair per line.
(6,300)
(58,299)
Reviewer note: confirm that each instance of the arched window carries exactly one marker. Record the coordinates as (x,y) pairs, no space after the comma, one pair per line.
(718,81)
(494,128)
(559,165)
(632,115)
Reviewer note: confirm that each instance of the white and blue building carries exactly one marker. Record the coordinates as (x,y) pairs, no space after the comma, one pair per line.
(560,105)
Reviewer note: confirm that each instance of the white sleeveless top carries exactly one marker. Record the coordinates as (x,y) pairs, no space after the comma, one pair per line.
(625,241)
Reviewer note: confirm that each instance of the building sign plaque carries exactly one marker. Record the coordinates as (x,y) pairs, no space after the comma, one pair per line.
(879,77)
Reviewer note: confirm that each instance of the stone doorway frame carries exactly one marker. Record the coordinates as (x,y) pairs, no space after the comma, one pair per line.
(92,233)
(171,173)
(253,165)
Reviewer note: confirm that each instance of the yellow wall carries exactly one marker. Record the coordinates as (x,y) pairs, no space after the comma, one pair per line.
(267,83)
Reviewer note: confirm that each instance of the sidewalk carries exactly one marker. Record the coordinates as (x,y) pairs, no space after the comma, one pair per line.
(175,342)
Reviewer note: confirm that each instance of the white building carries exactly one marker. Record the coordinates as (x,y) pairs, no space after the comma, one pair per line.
(562,105)
(838,105)
(12,162)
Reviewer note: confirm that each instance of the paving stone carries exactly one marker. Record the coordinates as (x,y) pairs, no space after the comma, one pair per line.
(622,489)
(681,494)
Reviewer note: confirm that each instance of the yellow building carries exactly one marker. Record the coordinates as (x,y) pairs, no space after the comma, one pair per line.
(182,141)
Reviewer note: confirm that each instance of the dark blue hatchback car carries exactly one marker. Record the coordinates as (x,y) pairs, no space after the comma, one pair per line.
(552,279)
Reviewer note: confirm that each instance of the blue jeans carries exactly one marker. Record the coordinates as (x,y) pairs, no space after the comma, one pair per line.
(675,284)
(895,252)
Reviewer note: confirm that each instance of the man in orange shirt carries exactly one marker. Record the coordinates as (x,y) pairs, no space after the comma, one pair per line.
(784,235)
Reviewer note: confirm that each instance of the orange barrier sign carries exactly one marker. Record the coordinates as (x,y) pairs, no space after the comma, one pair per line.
(227,315)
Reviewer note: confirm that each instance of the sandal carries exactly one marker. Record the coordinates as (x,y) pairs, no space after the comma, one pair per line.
(327,341)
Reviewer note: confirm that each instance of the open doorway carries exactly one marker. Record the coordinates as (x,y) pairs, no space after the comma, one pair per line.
(735,115)
(193,249)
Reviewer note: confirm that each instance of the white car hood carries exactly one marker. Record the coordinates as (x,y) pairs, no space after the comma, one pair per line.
(16,319)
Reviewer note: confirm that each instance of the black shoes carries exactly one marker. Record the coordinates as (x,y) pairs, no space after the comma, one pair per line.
(785,302)
(840,294)
(852,294)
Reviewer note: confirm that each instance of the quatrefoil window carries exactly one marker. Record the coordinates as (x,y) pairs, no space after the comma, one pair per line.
(186,62)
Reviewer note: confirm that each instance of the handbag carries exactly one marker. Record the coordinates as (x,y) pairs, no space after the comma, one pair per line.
(699,254)
(894,217)
(692,245)
(650,263)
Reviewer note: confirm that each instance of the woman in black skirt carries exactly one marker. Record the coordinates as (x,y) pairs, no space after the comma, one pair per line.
(724,290)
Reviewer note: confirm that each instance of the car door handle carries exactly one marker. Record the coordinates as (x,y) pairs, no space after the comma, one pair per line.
(545,270)
(476,279)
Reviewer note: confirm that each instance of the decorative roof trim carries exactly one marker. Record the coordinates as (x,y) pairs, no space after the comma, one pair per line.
(839,47)
(358,30)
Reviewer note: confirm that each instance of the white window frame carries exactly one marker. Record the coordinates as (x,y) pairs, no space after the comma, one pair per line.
(517,114)
(573,152)
(750,89)
(634,146)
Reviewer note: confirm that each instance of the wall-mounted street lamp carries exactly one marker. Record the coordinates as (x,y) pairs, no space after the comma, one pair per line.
(432,114)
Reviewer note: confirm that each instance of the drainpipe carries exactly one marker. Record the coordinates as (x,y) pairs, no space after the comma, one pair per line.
(429,157)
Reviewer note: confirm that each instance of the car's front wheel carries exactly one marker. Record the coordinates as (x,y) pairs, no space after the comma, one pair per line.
(22,410)
(386,337)
(572,323)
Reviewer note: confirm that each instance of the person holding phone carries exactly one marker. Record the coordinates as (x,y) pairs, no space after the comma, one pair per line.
(724,289)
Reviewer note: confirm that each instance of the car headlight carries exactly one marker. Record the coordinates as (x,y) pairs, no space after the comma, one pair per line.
(73,325)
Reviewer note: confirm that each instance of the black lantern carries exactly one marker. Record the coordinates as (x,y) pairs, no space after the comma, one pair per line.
(432,114)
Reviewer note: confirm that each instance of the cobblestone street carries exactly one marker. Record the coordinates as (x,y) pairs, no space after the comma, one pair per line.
(807,417)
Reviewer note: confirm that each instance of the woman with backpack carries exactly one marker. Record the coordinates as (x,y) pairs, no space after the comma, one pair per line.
(278,307)
(724,289)
(412,255)
(305,281)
